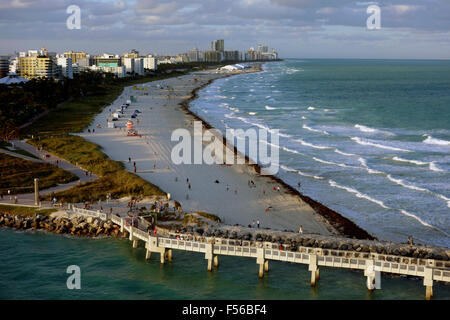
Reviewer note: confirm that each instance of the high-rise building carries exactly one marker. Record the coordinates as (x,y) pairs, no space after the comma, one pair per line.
(107,60)
(150,63)
(75,56)
(139,66)
(4,65)
(218,45)
(129,65)
(213,56)
(65,65)
(231,55)
(195,55)
(36,67)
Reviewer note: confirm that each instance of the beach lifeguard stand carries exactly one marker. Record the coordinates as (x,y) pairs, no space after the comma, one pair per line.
(130,128)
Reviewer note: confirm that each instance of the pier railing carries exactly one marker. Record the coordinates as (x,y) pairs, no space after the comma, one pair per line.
(371,263)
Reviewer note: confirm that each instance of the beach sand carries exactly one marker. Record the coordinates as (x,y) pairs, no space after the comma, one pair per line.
(161,115)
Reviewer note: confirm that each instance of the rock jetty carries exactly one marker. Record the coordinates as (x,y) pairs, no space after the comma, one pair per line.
(75,226)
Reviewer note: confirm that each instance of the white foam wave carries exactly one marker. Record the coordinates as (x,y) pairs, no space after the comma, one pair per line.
(366,167)
(413,187)
(419,163)
(365,129)
(334,163)
(252,113)
(311,108)
(301,173)
(363,162)
(357,193)
(270,108)
(403,184)
(444,198)
(303,117)
(381,146)
(291,150)
(406,213)
(431,165)
(314,130)
(431,140)
(311,145)
(344,153)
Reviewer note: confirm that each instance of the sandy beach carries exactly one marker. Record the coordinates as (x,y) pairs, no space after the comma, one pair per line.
(161,113)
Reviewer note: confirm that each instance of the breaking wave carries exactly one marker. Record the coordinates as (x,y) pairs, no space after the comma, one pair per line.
(381,146)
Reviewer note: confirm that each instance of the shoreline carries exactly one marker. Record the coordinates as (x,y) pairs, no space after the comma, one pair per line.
(341,224)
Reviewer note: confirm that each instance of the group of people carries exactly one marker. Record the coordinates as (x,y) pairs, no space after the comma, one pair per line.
(255,223)
(134,164)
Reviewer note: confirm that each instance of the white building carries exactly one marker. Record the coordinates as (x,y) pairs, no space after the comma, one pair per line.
(118,71)
(150,63)
(129,64)
(139,66)
(66,66)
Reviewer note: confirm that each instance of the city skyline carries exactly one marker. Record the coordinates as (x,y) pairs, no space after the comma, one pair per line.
(298,29)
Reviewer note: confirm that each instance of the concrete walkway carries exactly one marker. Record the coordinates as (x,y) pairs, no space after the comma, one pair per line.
(28,198)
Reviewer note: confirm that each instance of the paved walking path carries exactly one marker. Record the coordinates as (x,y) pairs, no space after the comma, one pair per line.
(28,198)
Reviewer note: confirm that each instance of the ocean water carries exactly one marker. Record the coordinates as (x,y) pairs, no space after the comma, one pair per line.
(33,266)
(367,138)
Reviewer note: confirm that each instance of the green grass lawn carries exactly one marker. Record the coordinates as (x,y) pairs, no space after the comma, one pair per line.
(25,211)
(18,175)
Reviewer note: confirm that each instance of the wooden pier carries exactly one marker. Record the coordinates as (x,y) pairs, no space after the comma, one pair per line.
(371,263)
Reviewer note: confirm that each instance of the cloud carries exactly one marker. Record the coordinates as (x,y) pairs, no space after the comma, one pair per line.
(181,24)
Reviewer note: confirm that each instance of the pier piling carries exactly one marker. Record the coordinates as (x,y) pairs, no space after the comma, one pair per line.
(162,255)
(261,261)
(373,276)
(428,283)
(314,269)
(216,261)
(209,255)
(266,266)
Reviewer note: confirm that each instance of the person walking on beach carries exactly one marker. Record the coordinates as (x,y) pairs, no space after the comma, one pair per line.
(134,169)
(300,230)
(16,200)
(257,224)
(129,159)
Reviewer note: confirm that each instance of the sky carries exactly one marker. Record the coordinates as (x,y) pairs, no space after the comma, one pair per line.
(410,29)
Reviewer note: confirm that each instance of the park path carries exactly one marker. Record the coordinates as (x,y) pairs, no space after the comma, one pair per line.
(28,198)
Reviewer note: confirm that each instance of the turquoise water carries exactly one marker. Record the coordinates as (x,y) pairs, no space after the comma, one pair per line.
(368,138)
(33,266)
